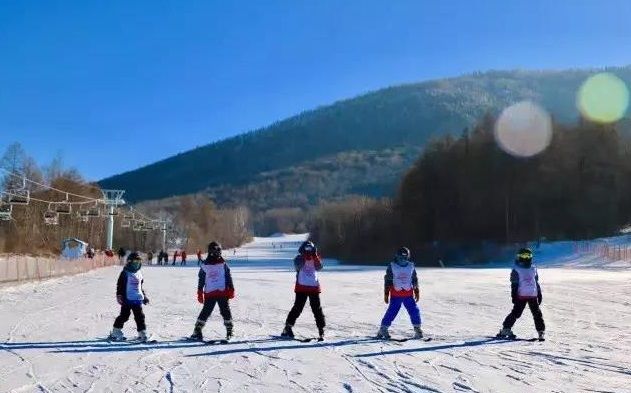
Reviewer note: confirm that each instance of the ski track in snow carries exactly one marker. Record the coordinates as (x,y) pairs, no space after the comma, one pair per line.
(49,333)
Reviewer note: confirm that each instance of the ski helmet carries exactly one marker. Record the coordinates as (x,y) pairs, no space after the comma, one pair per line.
(307,248)
(403,253)
(214,249)
(134,262)
(524,257)
(133,256)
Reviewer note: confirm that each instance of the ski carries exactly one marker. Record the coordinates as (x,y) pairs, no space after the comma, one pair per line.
(402,340)
(217,342)
(515,338)
(299,339)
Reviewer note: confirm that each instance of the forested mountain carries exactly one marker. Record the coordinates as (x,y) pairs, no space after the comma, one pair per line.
(378,123)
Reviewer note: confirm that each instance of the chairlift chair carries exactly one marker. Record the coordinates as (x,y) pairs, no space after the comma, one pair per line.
(125,224)
(6,211)
(63,208)
(19,195)
(51,217)
(139,226)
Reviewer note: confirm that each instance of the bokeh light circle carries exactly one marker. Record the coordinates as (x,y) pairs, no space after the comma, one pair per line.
(603,98)
(523,129)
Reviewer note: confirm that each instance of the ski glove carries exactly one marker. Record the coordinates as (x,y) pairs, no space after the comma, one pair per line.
(145,300)
(119,299)
(200,296)
(417,294)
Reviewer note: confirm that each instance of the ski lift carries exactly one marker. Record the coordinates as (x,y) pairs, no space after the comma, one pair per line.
(113,213)
(51,217)
(6,211)
(125,224)
(19,195)
(150,226)
(63,207)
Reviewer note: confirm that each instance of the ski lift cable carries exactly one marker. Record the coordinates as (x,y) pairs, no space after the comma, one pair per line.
(49,187)
(52,202)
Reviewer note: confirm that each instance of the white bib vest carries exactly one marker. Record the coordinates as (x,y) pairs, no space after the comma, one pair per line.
(134,286)
(527,287)
(215,277)
(402,276)
(308,276)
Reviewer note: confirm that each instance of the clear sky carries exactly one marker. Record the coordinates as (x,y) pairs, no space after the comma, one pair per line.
(114,85)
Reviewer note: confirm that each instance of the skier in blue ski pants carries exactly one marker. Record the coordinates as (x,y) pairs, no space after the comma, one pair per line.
(401,288)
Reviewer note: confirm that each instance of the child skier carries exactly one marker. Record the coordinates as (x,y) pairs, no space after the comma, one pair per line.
(307,264)
(131,295)
(401,288)
(525,290)
(214,287)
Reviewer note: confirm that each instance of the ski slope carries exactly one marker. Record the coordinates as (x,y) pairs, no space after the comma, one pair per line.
(49,333)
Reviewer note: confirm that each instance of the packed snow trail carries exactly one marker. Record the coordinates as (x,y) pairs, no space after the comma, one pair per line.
(49,333)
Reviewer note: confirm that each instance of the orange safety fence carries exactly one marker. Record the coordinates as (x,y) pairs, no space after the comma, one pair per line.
(612,252)
(17,268)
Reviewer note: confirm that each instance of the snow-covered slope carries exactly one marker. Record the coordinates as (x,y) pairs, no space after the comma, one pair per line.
(49,333)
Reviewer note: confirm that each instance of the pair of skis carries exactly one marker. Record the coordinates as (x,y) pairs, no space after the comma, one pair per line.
(125,340)
(515,338)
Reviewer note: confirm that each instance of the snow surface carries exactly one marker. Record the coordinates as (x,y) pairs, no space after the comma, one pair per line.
(50,333)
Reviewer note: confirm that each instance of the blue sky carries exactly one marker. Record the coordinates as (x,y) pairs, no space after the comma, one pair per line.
(114,85)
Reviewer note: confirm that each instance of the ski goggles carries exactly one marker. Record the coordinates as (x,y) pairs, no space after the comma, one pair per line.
(524,255)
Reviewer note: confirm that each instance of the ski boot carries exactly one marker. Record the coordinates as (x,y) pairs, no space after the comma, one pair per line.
(383,333)
(142,336)
(506,333)
(116,335)
(541,336)
(197,332)
(320,334)
(287,332)
(418,333)
(228,325)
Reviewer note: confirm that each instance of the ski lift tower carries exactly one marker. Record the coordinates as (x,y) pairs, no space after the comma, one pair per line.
(112,199)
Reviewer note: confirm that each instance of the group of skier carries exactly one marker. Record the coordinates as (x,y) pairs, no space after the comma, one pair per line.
(215,287)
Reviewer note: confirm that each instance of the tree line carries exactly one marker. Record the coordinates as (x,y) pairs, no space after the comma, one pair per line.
(465,199)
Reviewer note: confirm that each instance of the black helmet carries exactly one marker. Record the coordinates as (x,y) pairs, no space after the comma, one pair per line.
(307,248)
(133,256)
(524,257)
(404,253)
(214,250)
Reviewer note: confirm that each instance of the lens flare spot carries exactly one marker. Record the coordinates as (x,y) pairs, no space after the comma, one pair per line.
(523,129)
(603,98)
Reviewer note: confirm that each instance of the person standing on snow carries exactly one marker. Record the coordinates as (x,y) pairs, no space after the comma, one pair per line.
(175,255)
(401,288)
(307,263)
(184,255)
(214,286)
(525,290)
(199,257)
(131,295)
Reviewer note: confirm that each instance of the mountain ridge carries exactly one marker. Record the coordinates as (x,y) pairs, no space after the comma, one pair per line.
(402,115)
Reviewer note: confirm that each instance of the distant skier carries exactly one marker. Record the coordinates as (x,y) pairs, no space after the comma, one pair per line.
(184,255)
(214,286)
(199,257)
(150,257)
(175,255)
(307,263)
(401,288)
(121,255)
(131,295)
(525,290)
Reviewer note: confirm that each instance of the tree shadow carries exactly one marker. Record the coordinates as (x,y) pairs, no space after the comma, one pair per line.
(461,344)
